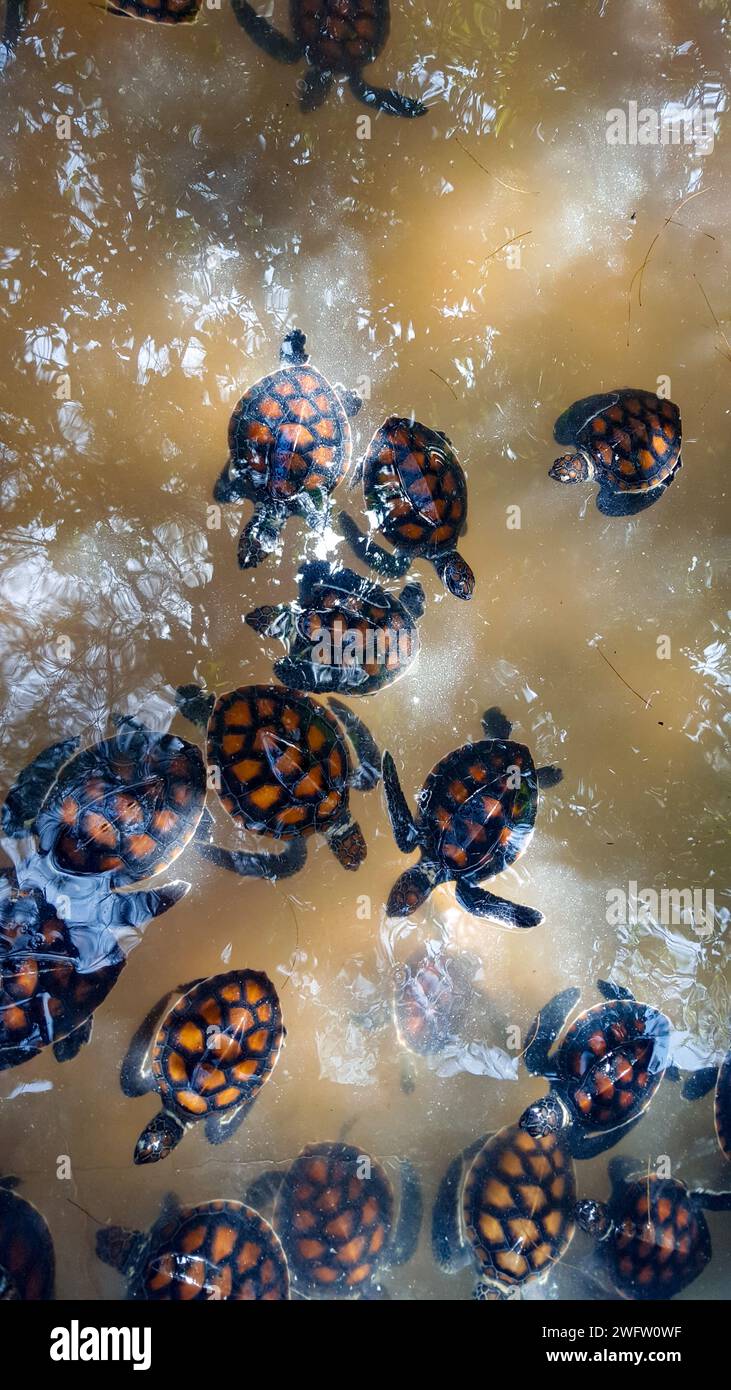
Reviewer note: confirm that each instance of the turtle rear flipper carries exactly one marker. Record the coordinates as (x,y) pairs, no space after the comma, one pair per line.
(316,87)
(411,1211)
(379,560)
(483,904)
(222,1125)
(405,829)
(544,1030)
(448,1248)
(261,865)
(700,1083)
(386,99)
(67,1048)
(269,39)
(30,787)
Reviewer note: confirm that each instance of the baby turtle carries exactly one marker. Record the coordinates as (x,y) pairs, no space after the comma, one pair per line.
(283,765)
(477,810)
(208,1059)
(605,1072)
(431,993)
(506,1206)
(158,11)
(703,1081)
(335,1214)
(344,633)
(654,1238)
(27,1261)
(414,484)
(337,38)
(210,1252)
(627,441)
(289,447)
(53,974)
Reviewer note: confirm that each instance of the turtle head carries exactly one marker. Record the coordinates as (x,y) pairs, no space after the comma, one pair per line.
(228,486)
(545,1116)
(593,1218)
(489,1291)
(347,843)
(195,704)
(456,574)
(410,891)
(414,599)
(158,1139)
(118,1247)
(572,468)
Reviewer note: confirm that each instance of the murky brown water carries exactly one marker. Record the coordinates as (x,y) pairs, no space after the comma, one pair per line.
(155,258)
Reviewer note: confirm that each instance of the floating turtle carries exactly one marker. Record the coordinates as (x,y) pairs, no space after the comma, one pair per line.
(703,1081)
(431,995)
(477,810)
(506,1206)
(157,11)
(283,766)
(210,1252)
(627,441)
(414,484)
(605,1072)
(208,1058)
(335,1214)
(345,633)
(290,445)
(337,38)
(27,1261)
(654,1238)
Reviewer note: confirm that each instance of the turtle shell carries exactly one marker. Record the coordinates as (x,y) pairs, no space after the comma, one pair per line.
(612,1061)
(475,816)
(430,1001)
(334,1214)
(414,483)
(27,1262)
(158,11)
(340,36)
(722,1107)
(282,759)
(289,435)
(517,1205)
(660,1242)
(218,1250)
(46,989)
(218,1045)
(633,437)
(126,807)
(354,636)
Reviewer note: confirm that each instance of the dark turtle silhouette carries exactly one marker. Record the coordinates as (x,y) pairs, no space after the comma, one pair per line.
(718,1080)
(27,1261)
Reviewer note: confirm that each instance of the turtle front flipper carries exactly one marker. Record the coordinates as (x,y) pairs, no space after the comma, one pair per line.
(711,1201)
(609,990)
(411,1211)
(583,1145)
(611,503)
(544,1030)
(264,34)
(138,908)
(316,87)
(260,535)
(134,1077)
(271,620)
(448,1247)
(28,792)
(483,904)
(259,865)
(548,776)
(261,1194)
(700,1083)
(405,829)
(367,774)
(351,401)
(386,99)
(67,1048)
(378,559)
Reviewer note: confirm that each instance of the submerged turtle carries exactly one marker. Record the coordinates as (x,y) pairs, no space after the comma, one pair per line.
(506,1206)
(289,447)
(703,1081)
(344,633)
(477,810)
(158,11)
(654,1238)
(627,441)
(208,1058)
(605,1072)
(415,485)
(431,995)
(337,38)
(283,765)
(213,1251)
(27,1261)
(335,1214)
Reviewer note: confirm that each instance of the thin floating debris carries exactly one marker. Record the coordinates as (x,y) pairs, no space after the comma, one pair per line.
(617,673)
(529,192)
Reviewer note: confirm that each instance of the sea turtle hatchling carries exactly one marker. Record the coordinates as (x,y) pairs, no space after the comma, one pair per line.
(289,447)
(705,1080)
(476,813)
(284,765)
(627,441)
(506,1206)
(27,1262)
(207,1059)
(415,486)
(220,1250)
(345,633)
(335,1212)
(157,11)
(604,1073)
(337,38)
(653,1237)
